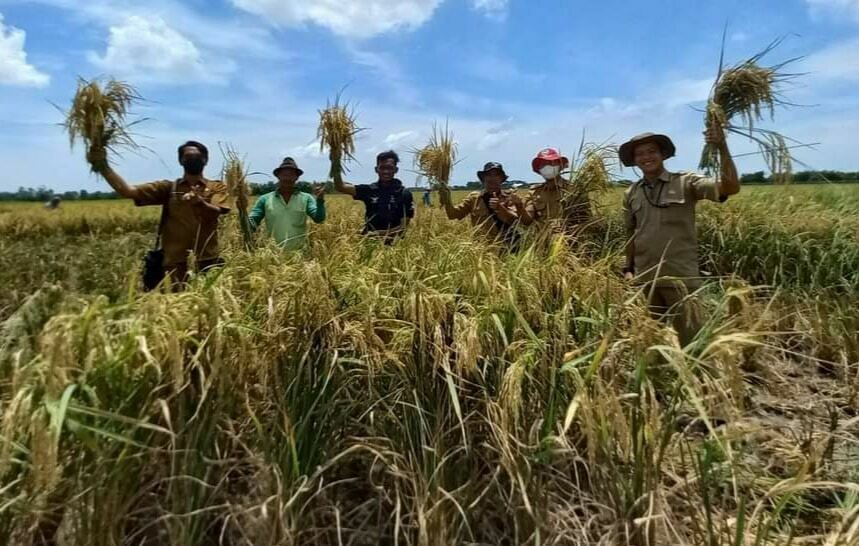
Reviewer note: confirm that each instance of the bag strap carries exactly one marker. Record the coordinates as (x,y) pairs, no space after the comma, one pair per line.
(164,212)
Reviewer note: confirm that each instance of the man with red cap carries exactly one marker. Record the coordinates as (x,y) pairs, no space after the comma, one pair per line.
(555,201)
(494,212)
(659,214)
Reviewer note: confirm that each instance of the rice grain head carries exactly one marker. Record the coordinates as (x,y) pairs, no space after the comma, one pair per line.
(98,115)
(337,130)
(435,161)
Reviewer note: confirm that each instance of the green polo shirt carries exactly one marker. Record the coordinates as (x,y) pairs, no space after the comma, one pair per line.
(287,222)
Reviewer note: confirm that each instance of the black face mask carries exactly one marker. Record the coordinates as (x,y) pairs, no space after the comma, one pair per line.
(194,166)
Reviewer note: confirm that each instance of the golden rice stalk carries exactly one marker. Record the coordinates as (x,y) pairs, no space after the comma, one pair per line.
(740,98)
(98,117)
(235,177)
(593,172)
(337,130)
(435,161)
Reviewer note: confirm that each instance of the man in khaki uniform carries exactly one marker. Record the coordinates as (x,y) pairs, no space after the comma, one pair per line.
(194,205)
(659,213)
(555,203)
(494,212)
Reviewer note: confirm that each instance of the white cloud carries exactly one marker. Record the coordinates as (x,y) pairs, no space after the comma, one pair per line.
(837,62)
(309,151)
(401,138)
(353,18)
(492,8)
(835,7)
(14,68)
(148,49)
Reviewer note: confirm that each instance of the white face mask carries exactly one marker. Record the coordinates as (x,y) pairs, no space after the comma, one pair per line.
(550,172)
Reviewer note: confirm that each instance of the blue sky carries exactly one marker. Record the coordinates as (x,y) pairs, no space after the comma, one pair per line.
(509,76)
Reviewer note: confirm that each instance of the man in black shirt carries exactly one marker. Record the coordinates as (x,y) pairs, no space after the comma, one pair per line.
(389,206)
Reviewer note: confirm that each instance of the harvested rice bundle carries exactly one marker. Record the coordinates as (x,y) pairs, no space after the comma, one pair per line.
(235,177)
(435,161)
(98,117)
(337,130)
(593,172)
(746,92)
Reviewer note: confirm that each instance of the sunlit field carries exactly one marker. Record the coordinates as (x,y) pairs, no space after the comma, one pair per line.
(438,392)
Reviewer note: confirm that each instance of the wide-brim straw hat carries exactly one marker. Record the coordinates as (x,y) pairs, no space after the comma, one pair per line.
(288,163)
(491,166)
(627,149)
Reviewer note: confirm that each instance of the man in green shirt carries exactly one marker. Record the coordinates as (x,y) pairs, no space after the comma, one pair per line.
(286,209)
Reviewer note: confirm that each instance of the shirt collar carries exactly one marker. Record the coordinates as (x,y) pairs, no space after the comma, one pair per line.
(665,176)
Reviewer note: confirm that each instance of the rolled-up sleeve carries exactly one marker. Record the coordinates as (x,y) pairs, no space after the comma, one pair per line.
(258,212)
(153,193)
(704,187)
(316,209)
(221,197)
(463,209)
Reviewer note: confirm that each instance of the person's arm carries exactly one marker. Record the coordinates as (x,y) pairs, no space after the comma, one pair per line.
(409,204)
(459,211)
(502,210)
(729,183)
(258,212)
(97,157)
(629,248)
(316,208)
(337,175)
(525,217)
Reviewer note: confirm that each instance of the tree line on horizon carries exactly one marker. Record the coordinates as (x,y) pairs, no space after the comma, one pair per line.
(44,194)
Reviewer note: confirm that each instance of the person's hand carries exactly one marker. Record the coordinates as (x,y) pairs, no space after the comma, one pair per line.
(715,135)
(193,197)
(97,157)
(629,276)
(495,203)
(516,201)
(444,195)
(319,192)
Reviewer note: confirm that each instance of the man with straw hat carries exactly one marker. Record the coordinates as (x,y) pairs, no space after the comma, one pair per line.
(555,199)
(191,207)
(659,213)
(494,212)
(389,206)
(286,209)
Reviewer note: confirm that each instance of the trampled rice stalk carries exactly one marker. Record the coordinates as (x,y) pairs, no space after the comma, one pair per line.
(235,177)
(98,117)
(740,97)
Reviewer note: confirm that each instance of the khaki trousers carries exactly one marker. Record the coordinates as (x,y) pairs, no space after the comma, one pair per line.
(677,305)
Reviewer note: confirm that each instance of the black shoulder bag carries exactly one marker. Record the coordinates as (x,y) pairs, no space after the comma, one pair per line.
(153,261)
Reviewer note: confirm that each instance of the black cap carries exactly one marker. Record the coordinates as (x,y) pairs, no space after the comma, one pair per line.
(491,166)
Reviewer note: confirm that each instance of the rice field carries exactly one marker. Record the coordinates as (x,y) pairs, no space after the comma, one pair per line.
(433,393)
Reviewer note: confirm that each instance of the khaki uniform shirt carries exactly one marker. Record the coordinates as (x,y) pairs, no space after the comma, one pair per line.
(476,208)
(660,220)
(546,203)
(187,229)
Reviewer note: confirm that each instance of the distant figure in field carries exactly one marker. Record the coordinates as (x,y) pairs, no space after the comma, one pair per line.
(555,203)
(192,206)
(53,203)
(493,211)
(427,198)
(389,206)
(286,209)
(659,213)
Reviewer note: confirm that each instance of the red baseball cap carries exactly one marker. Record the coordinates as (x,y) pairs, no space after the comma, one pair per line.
(549,155)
